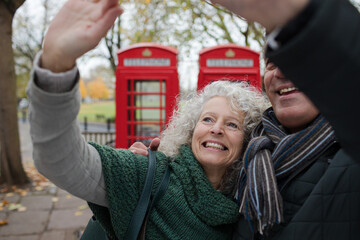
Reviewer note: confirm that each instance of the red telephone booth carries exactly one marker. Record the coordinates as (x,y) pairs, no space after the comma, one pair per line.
(146,88)
(229,62)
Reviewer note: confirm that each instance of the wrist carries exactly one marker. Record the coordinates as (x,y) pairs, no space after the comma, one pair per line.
(286,13)
(56,63)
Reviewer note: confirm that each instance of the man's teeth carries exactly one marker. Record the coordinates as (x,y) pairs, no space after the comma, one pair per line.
(286,90)
(214,145)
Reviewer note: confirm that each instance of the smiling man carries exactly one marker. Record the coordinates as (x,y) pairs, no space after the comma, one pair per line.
(292,108)
(290,151)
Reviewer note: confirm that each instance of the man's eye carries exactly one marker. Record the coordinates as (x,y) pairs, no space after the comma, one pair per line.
(270,66)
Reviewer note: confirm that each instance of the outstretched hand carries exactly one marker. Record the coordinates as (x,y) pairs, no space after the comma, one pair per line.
(269,13)
(76,29)
(141,149)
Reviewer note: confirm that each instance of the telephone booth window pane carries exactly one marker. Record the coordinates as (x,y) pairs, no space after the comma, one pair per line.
(144,130)
(149,86)
(149,101)
(147,130)
(149,115)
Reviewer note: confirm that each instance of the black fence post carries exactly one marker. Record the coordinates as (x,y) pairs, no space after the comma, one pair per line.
(108,124)
(85,124)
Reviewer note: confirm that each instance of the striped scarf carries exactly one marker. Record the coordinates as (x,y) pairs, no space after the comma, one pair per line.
(271,155)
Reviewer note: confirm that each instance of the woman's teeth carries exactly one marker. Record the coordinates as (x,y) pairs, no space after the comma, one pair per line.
(214,145)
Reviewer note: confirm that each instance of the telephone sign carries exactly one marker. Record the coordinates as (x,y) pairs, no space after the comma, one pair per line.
(229,62)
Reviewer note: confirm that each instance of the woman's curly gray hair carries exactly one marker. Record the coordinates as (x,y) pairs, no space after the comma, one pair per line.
(181,126)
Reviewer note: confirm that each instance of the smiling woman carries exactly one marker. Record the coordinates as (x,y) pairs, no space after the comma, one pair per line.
(217,122)
(218,138)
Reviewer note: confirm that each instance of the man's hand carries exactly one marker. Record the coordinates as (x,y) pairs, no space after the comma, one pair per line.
(76,29)
(269,13)
(141,149)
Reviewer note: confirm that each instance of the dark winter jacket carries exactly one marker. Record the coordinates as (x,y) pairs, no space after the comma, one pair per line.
(322,58)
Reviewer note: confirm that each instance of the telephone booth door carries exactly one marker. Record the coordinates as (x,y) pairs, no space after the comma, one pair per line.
(229,62)
(146,89)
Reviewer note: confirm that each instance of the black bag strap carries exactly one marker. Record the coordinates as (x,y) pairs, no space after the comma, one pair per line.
(138,222)
(144,200)
(158,194)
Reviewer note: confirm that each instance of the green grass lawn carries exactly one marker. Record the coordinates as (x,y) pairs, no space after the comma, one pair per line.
(91,110)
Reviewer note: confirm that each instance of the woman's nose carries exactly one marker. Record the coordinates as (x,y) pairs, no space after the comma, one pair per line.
(217,129)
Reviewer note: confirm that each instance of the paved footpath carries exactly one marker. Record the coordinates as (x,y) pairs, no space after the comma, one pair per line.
(40,212)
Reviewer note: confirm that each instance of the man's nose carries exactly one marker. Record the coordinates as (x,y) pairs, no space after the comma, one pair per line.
(278,73)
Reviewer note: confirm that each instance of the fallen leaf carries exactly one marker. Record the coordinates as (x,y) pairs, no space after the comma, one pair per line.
(78,213)
(22,209)
(38,188)
(9,194)
(2,223)
(14,206)
(55,199)
(68,196)
(3,203)
(82,207)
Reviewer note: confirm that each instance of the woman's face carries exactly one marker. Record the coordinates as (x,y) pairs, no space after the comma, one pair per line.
(218,136)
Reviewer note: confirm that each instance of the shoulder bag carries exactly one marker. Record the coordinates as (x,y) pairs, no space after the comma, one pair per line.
(136,230)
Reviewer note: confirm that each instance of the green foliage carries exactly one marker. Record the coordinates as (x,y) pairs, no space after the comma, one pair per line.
(92,110)
(22,80)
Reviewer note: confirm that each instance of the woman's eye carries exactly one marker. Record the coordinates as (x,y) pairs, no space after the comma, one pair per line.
(207,119)
(233,125)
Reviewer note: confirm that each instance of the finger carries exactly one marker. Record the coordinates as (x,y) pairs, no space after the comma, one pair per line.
(139,151)
(107,3)
(154,145)
(104,23)
(139,145)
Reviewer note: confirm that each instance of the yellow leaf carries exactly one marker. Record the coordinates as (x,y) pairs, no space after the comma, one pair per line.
(2,223)
(55,199)
(78,213)
(68,196)
(82,207)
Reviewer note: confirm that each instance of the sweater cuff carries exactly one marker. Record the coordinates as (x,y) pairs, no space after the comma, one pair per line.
(280,36)
(54,82)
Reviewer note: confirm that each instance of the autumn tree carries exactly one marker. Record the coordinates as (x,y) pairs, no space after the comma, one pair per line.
(28,35)
(12,171)
(97,89)
(180,24)
(107,75)
(82,88)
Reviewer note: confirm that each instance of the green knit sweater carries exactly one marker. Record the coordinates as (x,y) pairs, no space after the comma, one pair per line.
(190,208)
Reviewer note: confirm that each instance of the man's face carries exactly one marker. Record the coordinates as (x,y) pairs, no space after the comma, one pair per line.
(292,108)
